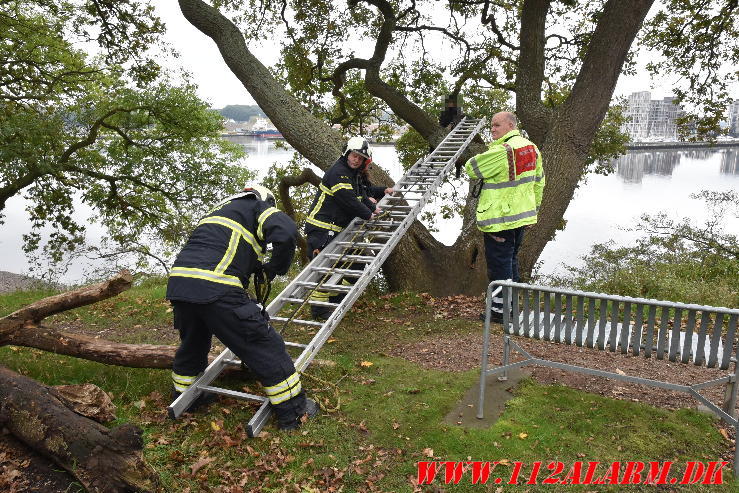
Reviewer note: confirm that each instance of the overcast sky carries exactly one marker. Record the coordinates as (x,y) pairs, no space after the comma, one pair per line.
(217,85)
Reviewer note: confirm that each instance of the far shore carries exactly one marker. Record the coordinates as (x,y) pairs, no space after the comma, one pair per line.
(680,145)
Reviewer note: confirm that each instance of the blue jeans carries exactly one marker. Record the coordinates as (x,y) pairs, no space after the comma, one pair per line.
(501,252)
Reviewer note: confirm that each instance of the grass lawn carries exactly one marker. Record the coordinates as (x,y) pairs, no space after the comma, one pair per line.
(381,416)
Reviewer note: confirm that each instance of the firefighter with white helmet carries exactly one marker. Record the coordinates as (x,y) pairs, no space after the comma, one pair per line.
(207,286)
(343,195)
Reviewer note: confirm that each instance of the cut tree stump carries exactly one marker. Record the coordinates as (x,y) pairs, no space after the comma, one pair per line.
(101,459)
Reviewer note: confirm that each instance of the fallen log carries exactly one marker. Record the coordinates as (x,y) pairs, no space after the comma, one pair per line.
(93,349)
(23,328)
(101,459)
(87,295)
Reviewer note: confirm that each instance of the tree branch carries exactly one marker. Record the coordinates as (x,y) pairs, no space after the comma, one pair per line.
(609,46)
(306,176)
(486,19)
(35,312)
(320,144)
(530,74)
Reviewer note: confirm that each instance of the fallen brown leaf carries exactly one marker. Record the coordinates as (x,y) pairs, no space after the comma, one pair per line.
(200,463)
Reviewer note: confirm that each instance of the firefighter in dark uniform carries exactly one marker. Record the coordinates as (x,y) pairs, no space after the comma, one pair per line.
(207,288)
(344,193)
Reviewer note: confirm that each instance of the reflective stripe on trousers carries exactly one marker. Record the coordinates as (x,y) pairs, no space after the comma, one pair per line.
(182,382)
(284,390)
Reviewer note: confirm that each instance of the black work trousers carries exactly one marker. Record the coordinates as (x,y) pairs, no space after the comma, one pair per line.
(239,324)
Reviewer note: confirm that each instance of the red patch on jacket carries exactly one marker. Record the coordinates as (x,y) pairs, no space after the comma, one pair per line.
(525,159)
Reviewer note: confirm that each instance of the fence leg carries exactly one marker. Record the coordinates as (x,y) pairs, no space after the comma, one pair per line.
(730,395)
(506,357)
(485,350)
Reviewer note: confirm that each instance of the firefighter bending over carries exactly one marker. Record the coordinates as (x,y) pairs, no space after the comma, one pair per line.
(207,288)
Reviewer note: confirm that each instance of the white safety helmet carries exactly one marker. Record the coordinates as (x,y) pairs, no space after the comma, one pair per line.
(361,147)
(259,192)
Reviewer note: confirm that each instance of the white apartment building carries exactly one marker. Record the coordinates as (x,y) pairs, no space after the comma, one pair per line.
(651,119)
(637,116)
(733,119)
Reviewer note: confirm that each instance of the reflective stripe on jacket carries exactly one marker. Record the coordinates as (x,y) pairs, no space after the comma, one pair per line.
(512,183)
(227,246)
(338,200)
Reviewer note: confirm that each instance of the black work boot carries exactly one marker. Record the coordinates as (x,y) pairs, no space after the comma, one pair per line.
(320,313)
(310,410)
(495,317)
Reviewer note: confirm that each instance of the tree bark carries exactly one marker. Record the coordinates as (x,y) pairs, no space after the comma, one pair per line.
(103,460)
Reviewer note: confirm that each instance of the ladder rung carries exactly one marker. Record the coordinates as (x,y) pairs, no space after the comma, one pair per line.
(232,393)
(370,246)
(343,272)
(325,287)
(298,321)
(353,258)
(409,190)
(295,344)
(403,198)
(380,234)
(385,224)
(312,302)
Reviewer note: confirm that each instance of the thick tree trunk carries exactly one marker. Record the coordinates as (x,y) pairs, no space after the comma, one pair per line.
(422,263)
(425,264)
(102,460)
(563,161)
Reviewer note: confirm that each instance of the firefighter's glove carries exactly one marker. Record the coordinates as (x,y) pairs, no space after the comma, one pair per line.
(268,272)
(458,168)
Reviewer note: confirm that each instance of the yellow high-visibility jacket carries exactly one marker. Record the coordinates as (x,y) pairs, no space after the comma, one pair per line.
(512,183)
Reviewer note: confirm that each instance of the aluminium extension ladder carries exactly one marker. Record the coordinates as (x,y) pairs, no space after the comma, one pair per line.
(362,242)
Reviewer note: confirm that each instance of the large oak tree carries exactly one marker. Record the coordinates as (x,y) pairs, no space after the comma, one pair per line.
(560,60)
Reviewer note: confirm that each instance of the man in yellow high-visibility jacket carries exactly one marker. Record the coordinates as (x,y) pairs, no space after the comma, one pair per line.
(512,182)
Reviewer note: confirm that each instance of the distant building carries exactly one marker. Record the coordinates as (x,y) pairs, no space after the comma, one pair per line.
(651,119)
(662,116)
(637,115)
(733,119)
